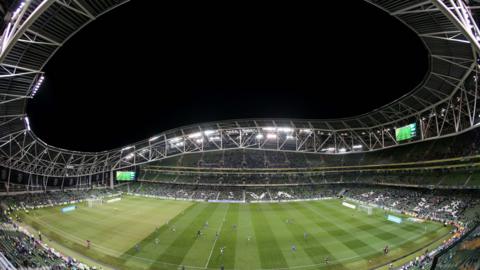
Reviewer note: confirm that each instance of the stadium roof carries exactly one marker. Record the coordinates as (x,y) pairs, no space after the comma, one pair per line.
(445,103)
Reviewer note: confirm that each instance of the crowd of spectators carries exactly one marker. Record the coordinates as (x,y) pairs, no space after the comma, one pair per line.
(24,251)
(32,200)
(426,260)
(425,203)
(205,193)
(173,191)
(445,178)
(465,255)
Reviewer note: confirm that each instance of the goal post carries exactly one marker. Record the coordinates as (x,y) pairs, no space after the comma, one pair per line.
(366,209)
(94,202)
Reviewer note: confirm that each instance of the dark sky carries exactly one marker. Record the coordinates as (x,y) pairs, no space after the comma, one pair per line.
(140,69)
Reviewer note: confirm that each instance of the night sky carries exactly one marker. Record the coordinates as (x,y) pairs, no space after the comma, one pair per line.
(140,69)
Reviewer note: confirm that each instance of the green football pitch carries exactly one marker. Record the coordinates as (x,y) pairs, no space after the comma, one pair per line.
(144,233)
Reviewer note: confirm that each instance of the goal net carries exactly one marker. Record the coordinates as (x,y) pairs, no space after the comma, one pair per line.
(366,209)
(93,202)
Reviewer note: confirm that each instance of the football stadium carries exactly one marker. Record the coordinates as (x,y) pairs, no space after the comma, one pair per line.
(394,188)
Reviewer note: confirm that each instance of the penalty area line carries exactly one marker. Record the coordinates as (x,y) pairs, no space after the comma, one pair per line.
(216,238)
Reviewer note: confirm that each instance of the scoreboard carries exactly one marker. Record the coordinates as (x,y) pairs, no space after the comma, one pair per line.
(406,132)
(125,176)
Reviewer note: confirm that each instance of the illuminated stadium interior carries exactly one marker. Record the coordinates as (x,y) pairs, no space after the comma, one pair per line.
(392,188)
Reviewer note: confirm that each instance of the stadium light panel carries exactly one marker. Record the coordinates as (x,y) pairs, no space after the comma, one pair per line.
(232,131)
(195,135)
(199,140)
(37,85)
(358,146)
(342,150)
(127,148)
(154,138)
(271,136)
(27,123)
(330,149)
(306,130)
(209,132)
(18,10)
(175,140)
(290,137)
(270,128)
(259,136)
(214,138)
(285,129)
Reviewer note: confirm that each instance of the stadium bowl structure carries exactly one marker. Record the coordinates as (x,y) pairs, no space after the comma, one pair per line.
(444,104)
(352,152)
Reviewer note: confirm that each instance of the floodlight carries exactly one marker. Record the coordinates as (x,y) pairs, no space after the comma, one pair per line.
(209,132)
(358,146)
(37,85)
(285,129)
(127,148)
(342,150)
(195,135)
(259,136)
(176,139)
(271,136)
(27,123)
(154,138)
(232,131)
(18,10)
(214,138)
(290,137)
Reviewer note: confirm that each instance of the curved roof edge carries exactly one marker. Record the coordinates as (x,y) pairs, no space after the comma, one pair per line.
(444,104)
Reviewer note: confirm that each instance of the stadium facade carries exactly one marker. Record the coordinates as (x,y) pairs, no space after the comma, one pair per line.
(443,104)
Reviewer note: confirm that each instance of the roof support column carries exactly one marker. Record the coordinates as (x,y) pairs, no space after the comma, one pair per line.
(111,179)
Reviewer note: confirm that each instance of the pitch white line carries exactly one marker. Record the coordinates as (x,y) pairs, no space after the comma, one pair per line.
(216,238)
